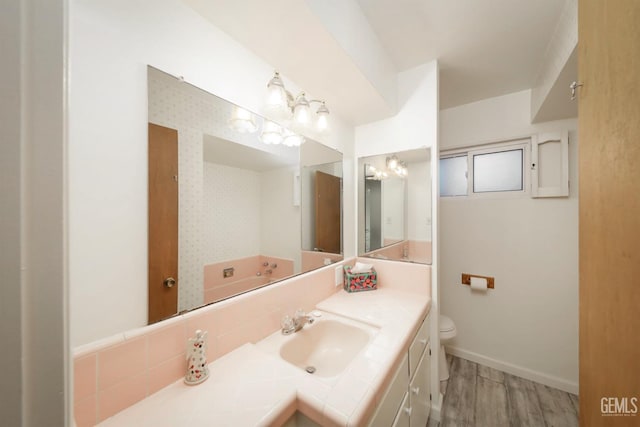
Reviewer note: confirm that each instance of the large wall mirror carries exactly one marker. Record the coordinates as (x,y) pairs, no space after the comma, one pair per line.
(236,202)
(394,198)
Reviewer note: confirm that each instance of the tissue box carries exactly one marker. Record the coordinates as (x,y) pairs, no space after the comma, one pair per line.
(360,281)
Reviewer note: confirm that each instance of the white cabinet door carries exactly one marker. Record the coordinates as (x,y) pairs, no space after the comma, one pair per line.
(550,165)
(419,392)
(388,408)
(403,418)
(418,346)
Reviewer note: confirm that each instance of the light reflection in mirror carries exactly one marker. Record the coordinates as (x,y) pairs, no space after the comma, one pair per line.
(244,206)
(394,195)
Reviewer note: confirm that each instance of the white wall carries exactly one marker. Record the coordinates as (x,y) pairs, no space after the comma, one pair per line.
(529,324)
(232,213)
(419,201)
(563,42)
(111,44)
(415,125)
(280,226)
(394,209)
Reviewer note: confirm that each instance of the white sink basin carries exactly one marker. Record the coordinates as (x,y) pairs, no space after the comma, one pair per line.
(324,348)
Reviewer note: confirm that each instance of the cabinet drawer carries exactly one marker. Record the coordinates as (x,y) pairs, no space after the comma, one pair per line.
(419,400)
(403,417)
(418,345)
(392,400)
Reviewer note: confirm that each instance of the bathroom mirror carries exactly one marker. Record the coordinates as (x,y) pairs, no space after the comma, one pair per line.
(394,199)
(250,196)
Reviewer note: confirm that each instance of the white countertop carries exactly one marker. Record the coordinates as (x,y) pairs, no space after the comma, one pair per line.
(250,387)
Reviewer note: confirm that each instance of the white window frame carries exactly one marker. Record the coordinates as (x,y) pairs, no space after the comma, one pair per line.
(523,144)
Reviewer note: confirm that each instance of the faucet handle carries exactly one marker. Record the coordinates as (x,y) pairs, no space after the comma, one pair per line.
(300,313)
(286,322)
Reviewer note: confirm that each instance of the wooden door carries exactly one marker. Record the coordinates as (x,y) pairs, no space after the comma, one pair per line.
(328,224)
(163,222)
(609,169)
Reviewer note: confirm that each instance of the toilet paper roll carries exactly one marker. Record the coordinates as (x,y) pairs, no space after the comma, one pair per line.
(479,284)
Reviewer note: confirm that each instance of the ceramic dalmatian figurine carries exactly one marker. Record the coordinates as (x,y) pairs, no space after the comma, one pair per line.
(197,369)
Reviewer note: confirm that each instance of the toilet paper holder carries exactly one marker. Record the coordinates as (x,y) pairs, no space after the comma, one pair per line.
(466,279)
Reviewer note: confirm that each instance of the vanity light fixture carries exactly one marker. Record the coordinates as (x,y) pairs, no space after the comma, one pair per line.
(271,133)
(274,134)
(392,162)
(393,166)
(282,105)
(397,166)
(242,120)
(292,139)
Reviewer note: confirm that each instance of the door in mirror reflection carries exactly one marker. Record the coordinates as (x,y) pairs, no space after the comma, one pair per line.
(327,195)
(163,223)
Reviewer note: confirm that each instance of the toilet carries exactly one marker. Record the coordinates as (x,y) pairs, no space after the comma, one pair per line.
(447,332)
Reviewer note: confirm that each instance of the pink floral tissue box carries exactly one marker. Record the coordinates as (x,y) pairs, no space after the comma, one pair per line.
(357,282)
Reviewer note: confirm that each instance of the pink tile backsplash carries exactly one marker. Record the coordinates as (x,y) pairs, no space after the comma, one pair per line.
(167,343)
(245,268)
(149,359)
(85,411)
(311,260)
(84,380)
(122,395)
(405,276)
(416,250)
(249,273)
(122,361)
(165,373)
(420,251)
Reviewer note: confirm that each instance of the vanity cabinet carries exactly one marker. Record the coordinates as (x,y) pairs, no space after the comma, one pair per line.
(407,400)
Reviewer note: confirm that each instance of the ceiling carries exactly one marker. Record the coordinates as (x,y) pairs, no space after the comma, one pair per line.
(485,48)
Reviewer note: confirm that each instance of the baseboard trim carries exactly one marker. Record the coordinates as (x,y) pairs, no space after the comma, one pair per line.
(551,381)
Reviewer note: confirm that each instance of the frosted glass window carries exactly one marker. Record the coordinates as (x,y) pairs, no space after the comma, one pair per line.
(453,176)
(500,171)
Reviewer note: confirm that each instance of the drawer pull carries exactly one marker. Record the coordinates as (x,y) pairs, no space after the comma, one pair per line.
(415,390)
(407,411)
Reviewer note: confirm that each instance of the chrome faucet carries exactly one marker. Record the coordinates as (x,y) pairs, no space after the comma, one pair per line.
(300,319)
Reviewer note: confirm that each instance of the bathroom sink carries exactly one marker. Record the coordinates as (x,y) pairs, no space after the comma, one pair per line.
(326,347)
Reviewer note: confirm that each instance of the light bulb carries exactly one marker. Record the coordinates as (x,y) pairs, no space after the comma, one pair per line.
(302,111)
(276,95)
(242,120)
(392,163)
(292,139)
(322,124)
(271,133)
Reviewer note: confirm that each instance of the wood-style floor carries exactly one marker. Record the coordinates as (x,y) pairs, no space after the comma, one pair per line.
(478,396)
